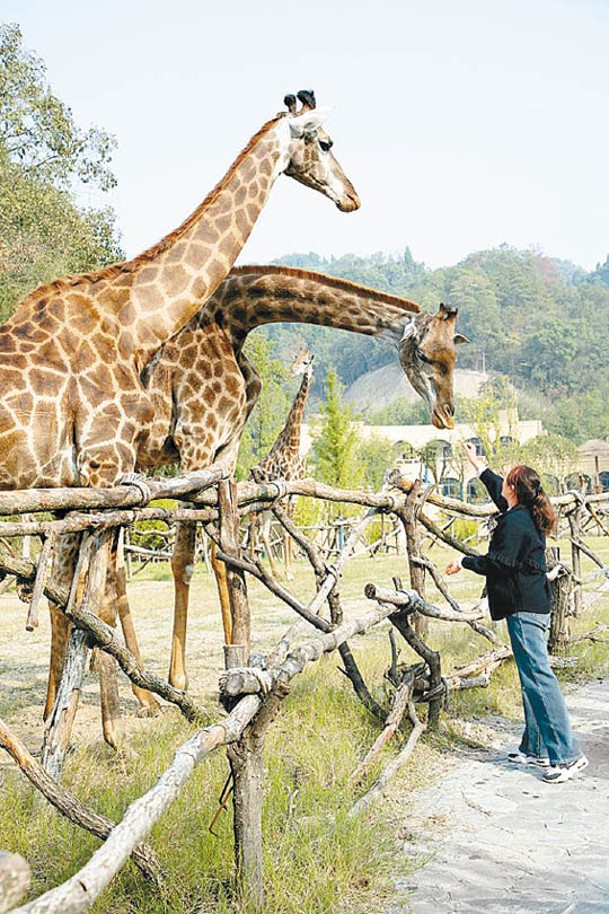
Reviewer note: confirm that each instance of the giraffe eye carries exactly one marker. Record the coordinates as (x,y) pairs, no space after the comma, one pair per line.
(325,145)
(421,355)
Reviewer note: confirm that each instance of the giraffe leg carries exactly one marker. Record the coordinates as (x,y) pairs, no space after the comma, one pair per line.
(107,666)
(182,566)
(219,569)
(60,632)
(266,542)
(288,544)
(149,704)
(94,552)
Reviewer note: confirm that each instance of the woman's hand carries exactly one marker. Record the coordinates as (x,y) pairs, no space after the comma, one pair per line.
(452,568)
(469,449)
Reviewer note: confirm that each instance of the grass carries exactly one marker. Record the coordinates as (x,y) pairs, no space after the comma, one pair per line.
(316,858)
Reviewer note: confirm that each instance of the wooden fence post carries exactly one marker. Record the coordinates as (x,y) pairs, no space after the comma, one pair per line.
(94,552)
(413,549)
(561,585)
(246,755)
(574,519)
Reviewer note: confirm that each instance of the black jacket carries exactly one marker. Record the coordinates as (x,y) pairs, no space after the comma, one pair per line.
(515,566)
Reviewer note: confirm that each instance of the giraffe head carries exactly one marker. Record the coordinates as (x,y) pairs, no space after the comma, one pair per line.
(303,363)
(427,352)
(312,162)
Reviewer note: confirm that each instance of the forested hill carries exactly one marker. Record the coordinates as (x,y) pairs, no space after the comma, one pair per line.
(542,322)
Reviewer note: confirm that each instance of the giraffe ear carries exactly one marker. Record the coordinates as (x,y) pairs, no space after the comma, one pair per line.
(308,121)
(409,330)
(459,338)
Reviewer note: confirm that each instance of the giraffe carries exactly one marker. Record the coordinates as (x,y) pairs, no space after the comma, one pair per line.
(283,461)
(73,353)
(203,388)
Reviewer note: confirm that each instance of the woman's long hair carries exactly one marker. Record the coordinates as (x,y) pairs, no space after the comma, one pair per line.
(530,493)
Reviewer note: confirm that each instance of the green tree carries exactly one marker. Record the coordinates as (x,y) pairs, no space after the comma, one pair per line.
(335,446)
(44,159)
(487,414)
(272,406)
(375,455)
(553,456)
(400,411)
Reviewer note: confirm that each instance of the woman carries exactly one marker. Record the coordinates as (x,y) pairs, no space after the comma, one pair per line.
(518,591)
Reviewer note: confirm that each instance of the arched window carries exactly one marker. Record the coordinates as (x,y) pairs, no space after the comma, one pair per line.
(604,480)
(450,487)
(580,481)
(479,448)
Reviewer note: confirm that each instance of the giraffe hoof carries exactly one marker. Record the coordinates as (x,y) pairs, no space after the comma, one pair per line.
(149,710)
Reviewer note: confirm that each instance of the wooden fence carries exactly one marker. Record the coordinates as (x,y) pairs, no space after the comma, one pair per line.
(253,694)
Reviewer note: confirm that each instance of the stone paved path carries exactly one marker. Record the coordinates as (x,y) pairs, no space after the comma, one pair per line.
(492,838)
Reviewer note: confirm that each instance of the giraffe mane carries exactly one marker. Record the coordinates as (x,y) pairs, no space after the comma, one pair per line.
(345,285)
(129,266)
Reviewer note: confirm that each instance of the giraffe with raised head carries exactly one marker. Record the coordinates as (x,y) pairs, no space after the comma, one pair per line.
(203,388)
(283,461)
(72,355)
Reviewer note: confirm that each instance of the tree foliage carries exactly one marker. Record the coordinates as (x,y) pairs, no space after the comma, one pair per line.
(45,158)
(272,407)
(540,322)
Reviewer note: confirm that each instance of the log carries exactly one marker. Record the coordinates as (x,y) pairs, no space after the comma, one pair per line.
(123,496)
(15,878)
(393,767)
(394,719)
(93,555)
(42,571)
(68,805)
(231,680)
(407,601)
(78,522)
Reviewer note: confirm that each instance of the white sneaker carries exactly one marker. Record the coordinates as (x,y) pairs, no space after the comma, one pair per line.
(558,774)
(521,758)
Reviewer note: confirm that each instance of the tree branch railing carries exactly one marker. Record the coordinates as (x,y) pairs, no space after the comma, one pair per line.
(255,694)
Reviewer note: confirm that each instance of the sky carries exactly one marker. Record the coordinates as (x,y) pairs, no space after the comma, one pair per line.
(463,126)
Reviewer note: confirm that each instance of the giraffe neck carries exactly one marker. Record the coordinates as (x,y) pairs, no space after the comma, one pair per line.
(288,439)
(173,279)
(252,296)
(150,298)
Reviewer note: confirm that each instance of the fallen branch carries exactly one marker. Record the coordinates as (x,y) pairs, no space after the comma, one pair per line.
(393,767)
(400,703)
(67,804)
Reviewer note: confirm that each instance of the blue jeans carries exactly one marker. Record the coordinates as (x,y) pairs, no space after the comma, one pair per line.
(547,730)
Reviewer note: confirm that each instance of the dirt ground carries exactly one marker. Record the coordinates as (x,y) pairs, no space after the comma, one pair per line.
(24,655)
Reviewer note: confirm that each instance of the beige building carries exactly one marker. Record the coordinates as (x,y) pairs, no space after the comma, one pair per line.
(449,468)
(594,463)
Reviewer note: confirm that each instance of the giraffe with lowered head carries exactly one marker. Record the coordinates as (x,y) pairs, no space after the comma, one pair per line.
(203,388)
(72,355)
